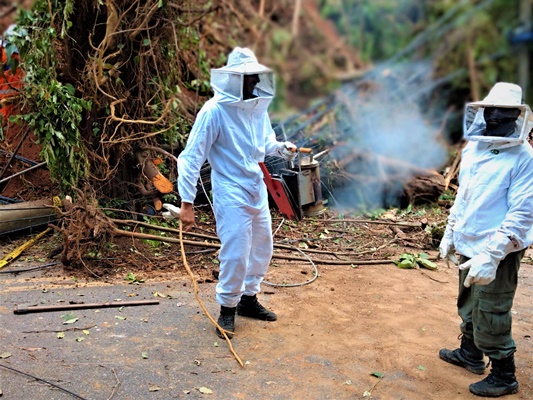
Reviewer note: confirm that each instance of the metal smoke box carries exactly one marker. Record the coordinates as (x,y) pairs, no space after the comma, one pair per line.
(303,184)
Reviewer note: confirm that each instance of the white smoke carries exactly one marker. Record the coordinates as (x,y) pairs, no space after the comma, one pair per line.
(387,131)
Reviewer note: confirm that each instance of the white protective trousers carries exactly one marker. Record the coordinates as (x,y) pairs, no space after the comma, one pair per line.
(246,237)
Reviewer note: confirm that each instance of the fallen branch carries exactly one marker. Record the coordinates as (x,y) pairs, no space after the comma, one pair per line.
(82,306)
(276,245)
(43,380)
(136,235)
(454,168)
(160,150)
(366,221)
(61,330)
(335,262)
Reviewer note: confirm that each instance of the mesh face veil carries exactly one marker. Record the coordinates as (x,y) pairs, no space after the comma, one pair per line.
(229,80)
(494,120)
(231,84)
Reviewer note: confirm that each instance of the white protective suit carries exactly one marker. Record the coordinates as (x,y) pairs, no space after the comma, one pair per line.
(234,135)
(492,215)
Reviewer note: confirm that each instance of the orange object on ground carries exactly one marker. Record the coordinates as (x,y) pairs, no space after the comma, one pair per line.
(10,82)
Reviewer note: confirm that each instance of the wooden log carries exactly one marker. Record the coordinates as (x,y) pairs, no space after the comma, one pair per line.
(151,171)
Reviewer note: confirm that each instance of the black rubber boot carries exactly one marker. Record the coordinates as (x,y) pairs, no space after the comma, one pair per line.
(250,307)
(467,356)
(226,320)
(501,380)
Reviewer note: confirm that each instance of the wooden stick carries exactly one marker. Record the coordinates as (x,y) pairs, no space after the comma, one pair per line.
(34,309)
(366,221)
(119,232)
(454,169)
(296,18)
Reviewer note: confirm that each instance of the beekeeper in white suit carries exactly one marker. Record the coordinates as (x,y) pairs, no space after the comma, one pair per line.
(233,132)
(490,226)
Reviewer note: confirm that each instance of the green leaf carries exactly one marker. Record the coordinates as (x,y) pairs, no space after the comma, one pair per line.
(406,261)
(406,264)
(427,264)
(70,321)
(407,256)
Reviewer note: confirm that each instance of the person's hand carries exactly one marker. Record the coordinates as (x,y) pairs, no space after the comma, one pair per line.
(447,248)
(288,150)
(172,213)
(483,269)
(187,216)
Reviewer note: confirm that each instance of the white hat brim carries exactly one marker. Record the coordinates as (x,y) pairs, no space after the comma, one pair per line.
(484,103)
(245,68)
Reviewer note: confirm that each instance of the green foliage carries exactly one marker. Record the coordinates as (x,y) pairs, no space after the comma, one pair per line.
(132,279)
(409,261)
(170,198)
(374,214)
(447,195)
(52,109)
(379,28)
(447,31)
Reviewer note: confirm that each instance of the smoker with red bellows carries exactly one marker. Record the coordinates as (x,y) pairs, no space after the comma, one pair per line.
(297,190)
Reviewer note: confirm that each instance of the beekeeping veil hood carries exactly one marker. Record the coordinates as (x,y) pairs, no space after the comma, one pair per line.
(502,95)
(227,82)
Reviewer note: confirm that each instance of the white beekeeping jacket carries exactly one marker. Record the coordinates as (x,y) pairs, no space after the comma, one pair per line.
(233,134)
(495,180)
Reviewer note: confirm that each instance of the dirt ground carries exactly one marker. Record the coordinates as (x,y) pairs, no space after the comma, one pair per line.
(352,331)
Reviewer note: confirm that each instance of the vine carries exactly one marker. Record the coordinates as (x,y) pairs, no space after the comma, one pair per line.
(52,109)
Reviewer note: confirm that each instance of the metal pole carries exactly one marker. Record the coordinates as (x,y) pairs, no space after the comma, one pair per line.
(23,172)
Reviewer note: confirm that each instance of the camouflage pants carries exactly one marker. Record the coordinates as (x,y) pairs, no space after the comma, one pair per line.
(486,309)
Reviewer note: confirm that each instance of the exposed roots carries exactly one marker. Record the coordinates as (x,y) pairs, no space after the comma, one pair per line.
(85,229)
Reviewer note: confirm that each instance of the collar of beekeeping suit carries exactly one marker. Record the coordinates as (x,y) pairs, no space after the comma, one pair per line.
(227,82)
(502,95)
